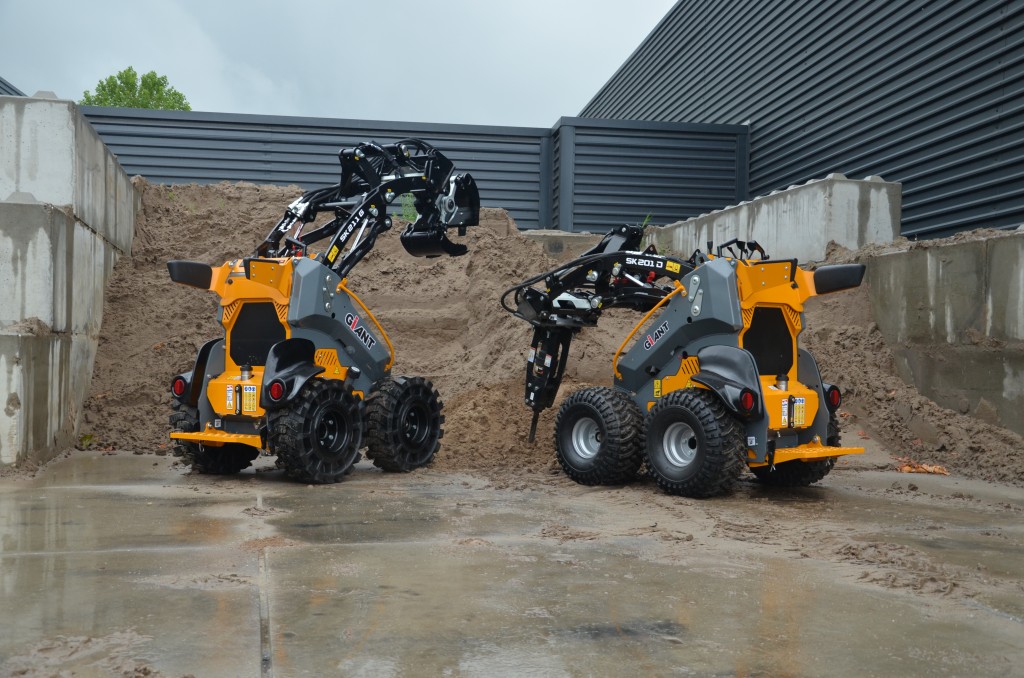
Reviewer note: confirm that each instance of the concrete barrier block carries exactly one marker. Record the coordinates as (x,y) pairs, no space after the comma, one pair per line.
(32,239)
(51,151)
(798,222)
(38,138)
(1005,298)
(91,265)
(929,295)
(42,377)
(90,158)
(52,268)
(974,380)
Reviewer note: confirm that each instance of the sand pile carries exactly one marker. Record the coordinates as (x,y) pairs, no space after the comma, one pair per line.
(444,319)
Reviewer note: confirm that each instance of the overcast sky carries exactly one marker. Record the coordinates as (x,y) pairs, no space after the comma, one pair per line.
(524,62)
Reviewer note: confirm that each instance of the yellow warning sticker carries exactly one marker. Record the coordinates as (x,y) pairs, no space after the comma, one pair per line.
(248,398)
(799,411)
(657,388)
(672,266)
(333,254)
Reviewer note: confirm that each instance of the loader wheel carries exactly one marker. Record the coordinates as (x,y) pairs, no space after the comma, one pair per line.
(801,473)
(404,424)
(318,435)
(224,460)
(599,437)
(694,446)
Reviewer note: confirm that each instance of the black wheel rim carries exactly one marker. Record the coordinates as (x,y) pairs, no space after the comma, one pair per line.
(331,431)
(415,424)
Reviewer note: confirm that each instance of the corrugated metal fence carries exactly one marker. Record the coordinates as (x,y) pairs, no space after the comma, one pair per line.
(607,174)
(612,172)
(930,94)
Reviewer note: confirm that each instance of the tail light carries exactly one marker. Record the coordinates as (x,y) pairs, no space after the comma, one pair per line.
(276,390)
(747,402)
(179,386)
(833,398)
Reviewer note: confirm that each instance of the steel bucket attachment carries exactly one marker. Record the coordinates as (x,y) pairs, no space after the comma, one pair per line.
(459,206)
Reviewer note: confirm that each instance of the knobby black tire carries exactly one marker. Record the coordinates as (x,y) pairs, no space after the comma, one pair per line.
(599,437)
(404,424)
(704,460)
(317,436)
(224,460)
(801,473)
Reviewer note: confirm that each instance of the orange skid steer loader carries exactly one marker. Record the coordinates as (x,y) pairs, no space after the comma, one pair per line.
(716,382)
(303,369)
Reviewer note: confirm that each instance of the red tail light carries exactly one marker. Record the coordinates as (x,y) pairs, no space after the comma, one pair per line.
(276,390)
(833,398)
(179,386)
(747,401)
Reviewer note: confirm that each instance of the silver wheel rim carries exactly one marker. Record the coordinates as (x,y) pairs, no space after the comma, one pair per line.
(586,438)
(680,443)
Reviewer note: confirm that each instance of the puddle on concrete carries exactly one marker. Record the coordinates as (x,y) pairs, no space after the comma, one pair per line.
(427,575)
(187,609)
(432,609)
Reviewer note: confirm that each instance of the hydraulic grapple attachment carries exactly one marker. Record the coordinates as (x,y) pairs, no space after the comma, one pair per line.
(458,206)
(373,177)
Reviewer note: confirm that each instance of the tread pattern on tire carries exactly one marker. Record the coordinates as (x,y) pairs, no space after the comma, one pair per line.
(720,464)
(224,460)
(621,453)
(801,473)
(287,436)
(385,446)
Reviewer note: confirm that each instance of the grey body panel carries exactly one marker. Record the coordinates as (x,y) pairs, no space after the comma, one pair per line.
(709,316)
(318,311)
(700,318)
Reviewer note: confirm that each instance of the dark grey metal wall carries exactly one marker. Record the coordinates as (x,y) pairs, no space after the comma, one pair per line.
(930,94)
(7,89)
(184,147)
(613,172)
(605,175)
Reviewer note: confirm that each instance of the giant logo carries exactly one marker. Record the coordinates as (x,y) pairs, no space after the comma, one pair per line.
(364,336)
(654,336)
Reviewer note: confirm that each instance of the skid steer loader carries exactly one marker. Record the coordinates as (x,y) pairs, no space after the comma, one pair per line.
(716,381)
(303,369)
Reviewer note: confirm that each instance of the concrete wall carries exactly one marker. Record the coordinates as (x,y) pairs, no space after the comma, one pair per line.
(797,223)
(953,313)
(67,211)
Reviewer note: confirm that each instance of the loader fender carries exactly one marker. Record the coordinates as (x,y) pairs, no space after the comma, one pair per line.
(289,361)
(195,386)
(727,370)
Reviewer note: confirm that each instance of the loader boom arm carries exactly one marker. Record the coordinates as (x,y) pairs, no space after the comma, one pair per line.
(611,274)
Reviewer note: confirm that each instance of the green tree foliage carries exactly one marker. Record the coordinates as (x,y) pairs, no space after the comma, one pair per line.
(127,90)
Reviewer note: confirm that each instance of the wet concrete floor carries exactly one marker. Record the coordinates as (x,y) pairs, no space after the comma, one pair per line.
(121,562)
